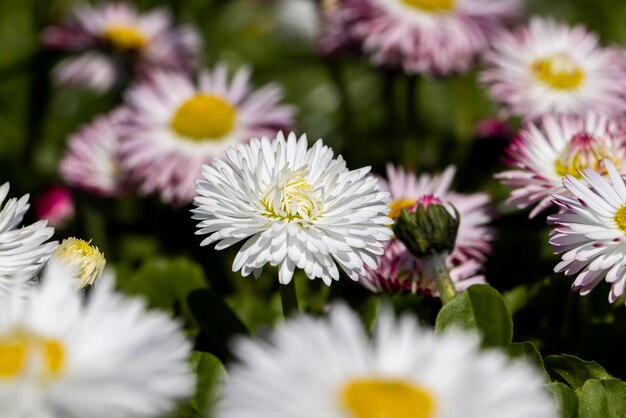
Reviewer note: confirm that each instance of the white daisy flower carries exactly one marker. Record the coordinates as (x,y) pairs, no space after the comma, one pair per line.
(107,358)
(92,161)
(105,37)
(550,67)
(560,145)
(85,262)
(295,207)
(23,250)
(329,368)
(174,125)
(590,232)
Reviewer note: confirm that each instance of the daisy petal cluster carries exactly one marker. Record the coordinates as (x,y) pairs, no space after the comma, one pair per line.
(403,371)
(398,269)
(173,125)
(91,162)
(590,232)
(23,250)
(549,67)
(108,358)
(295,207)
(543,153)
(105,36)
(437,37)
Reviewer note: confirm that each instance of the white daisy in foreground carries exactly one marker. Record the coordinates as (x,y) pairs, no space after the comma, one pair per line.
(174,125)
(590,232)
(84,262)
(329,368)
(550,67)
(91,162)
(560,145)
(437,37)
(295,207)
(107,358)
(114,39)
(23,250)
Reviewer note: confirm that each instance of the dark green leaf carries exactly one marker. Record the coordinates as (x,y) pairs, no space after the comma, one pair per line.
(480,308)
(574,371)
(210,373)
(529,352)
(603,398)
(565,398)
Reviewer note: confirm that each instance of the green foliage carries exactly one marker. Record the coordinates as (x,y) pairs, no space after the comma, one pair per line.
(528,352)
(603,398)
(480,308)
(565,397)
(574,371)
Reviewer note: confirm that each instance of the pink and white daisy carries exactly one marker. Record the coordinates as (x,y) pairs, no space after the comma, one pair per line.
(550,67)
(173,125)
(106,36)
(91,162)
(437,37)
(545,152)
(590,232)
(399,270)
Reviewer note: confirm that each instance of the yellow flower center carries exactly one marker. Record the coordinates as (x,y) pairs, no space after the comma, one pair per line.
(125,37)
(21,351)
(397,205)
(87,261)
(291,197)
(382,398)
(204,117)
(620,218)
(559,72)
(583,151)
(432,6)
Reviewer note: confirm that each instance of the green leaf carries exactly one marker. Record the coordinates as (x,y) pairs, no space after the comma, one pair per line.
(480,308)
(565,397)
(529,352)
(603,398)
(210,373)
(369,312)
(217,320)
(165,283)
(574,371)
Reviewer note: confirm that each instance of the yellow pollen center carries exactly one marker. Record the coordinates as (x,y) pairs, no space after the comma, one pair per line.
(397,205)
(559,72)
(125,37)
(87,261)
(204,117)
(290,196)
(432,6)
(378,398)
(21,350)
(581,152)
(620,218)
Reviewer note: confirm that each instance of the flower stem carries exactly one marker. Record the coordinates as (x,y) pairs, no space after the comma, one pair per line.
(445,285)
(289,298)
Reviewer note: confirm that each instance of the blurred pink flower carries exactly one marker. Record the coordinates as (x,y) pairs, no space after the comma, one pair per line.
(492,128)
(105,37)
(56,206)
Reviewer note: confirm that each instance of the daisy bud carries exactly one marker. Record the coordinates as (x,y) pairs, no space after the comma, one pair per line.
(428,228)
(85,261)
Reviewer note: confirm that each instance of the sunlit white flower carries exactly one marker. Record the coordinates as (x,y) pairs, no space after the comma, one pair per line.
(23,250)
(294,207)
(174,125)
(330,368)
(62,357)
(92,161)
(590,232)
(423,36)
(84,262)
(105,37)
(544,153)
(550,67)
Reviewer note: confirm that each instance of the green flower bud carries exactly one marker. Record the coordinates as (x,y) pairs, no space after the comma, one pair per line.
(428,230)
